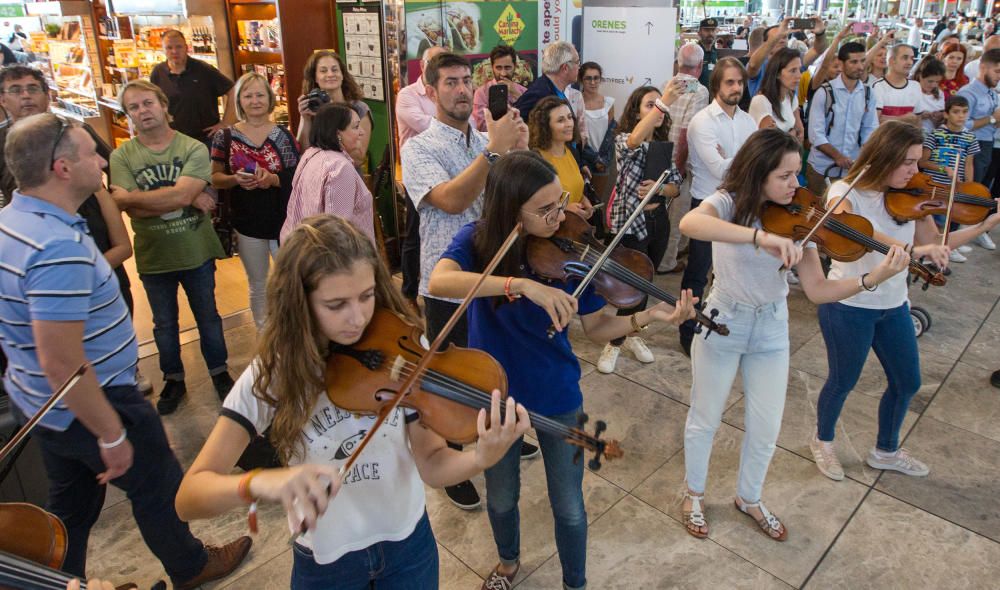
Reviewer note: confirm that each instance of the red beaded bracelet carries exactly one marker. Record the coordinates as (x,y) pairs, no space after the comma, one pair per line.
(506,290)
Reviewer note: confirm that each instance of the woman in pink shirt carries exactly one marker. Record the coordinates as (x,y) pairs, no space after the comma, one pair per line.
(326,180)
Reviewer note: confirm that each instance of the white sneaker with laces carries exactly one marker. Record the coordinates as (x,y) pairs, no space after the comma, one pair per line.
(985,241)
(901,461)
(956,256)
(638,347)
(964,249)
(826,459)
(609,358)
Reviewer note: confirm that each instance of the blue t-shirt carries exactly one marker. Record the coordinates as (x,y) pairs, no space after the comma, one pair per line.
(945,145)
(542,372)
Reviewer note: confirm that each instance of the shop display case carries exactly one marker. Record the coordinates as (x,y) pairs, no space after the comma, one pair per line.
(66,51)
(130,42)
(255,30)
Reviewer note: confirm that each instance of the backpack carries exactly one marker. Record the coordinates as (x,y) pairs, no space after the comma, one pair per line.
(830,100)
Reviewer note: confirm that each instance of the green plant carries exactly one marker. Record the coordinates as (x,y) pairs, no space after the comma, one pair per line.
(53,29)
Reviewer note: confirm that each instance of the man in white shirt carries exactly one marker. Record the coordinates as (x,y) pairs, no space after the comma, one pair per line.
(896,96)
(916,29)
(690,59)
(972,68)
(414,111)
(715,134)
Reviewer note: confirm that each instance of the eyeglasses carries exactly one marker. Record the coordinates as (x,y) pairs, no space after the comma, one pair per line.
(592,78)
(551,217)
(63,126)
(31,89)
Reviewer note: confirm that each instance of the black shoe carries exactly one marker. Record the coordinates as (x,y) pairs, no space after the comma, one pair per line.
(686,343)
(464,495)
(528,450)
(995,379)
(223,383)
(170,397)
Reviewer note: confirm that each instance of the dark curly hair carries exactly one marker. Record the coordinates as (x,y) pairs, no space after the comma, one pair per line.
(539,127)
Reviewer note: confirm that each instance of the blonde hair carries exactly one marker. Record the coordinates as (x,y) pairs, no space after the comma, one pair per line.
(145,86)
(246,79)
(292,350)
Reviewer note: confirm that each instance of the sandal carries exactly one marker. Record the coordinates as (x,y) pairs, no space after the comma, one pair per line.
(769,524)
(694,519)
(498,581)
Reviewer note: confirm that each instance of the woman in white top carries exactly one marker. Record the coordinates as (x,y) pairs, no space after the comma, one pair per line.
(325,287)
(879,318)
(750,293)
(599,110)
(930,109)
(774,105)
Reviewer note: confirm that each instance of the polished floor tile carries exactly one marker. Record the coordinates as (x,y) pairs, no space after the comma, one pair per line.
(968,401)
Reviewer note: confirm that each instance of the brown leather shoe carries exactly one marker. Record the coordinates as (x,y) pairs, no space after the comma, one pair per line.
(498,581)
(221,562)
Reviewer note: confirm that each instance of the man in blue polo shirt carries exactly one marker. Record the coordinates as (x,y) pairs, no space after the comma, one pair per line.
(61,307)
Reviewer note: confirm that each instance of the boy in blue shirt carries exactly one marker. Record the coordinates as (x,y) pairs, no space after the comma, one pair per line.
(949,143)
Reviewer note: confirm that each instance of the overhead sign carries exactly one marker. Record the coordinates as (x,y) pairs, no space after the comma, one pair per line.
(616,31)
(149,7)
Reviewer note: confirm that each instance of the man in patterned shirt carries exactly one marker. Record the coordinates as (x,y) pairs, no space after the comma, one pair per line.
(444,172)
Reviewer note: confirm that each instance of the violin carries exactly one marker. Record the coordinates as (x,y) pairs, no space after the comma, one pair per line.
(844,237)
(623,281)
(924,196)
(364,377)
(32,548)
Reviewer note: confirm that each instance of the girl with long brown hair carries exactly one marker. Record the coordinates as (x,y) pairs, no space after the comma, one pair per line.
(750,293)
(644,119)
(509,321)
(879,318)
(325,286)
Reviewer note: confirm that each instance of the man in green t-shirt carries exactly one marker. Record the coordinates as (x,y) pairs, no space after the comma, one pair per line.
(166,174)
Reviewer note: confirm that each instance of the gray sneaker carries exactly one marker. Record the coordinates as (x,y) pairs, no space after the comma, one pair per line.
(826,459)
(900,461)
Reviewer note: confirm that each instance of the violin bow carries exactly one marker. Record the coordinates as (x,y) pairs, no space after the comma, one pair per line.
(48,405)
(596,267)
(428,356)
(951,201)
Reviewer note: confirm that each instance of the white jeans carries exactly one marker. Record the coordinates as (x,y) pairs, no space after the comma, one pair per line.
(256,254)
(757,345)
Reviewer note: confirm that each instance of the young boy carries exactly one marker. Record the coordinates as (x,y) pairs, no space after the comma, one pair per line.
(949,143)
(944,148)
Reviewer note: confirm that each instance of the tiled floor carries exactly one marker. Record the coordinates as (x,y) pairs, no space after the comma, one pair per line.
(872,530)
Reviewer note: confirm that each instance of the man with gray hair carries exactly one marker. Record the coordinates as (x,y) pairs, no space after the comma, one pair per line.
(690,58)
(560,67)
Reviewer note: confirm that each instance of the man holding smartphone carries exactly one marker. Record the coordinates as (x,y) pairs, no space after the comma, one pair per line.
(503,61)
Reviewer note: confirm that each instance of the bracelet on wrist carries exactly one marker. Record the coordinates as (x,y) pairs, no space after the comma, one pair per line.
(756,246)
(636,327)
(113,444)
(661,106)
(861,281)
(511,296)
(243,489)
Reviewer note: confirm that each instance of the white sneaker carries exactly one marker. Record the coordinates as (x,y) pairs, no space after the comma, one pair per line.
(142,383)
(964,249)
(638,347)
(985,241)
(609,358)
(826,459)
(792,278)
(900,461)
(956,256)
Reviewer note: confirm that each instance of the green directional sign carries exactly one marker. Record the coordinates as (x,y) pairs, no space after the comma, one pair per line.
(11,10)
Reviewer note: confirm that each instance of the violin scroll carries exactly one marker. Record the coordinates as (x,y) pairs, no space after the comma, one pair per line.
(610,449)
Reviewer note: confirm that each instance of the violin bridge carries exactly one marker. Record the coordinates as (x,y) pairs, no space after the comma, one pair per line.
(396,372)
(586,250)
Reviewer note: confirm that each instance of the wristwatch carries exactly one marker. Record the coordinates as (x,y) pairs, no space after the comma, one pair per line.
(491,157)
(993,120)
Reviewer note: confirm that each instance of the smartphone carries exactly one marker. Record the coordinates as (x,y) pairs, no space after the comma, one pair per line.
(244,174)
(803,24)
(692,86)
(498,101)
(862,27)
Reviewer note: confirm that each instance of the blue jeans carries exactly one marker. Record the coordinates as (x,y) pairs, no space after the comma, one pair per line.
(410,564)
(564,478)
(757,346)
(199,286)
(72,462)
(849,333)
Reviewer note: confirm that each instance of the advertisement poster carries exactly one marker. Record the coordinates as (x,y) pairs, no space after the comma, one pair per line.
(614,35)
(559,20)
(473,29)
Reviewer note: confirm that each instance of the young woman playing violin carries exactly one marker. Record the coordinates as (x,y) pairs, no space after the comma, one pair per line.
(372,529)
(878,318)
(750,293)
(509,321)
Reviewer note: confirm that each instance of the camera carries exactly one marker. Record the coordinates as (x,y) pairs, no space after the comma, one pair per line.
(317,98)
